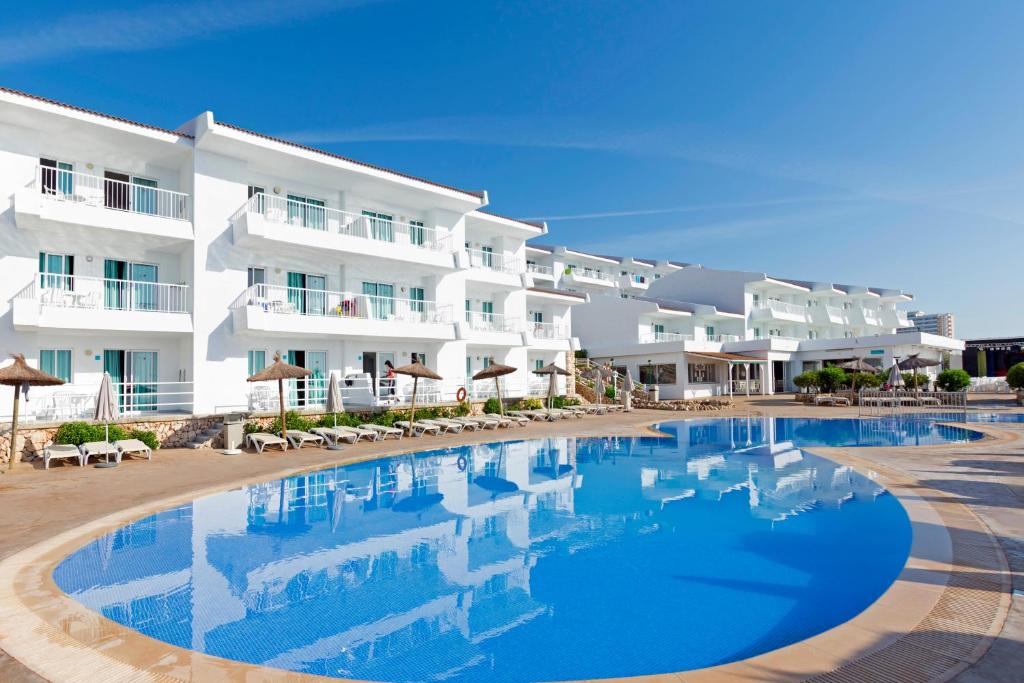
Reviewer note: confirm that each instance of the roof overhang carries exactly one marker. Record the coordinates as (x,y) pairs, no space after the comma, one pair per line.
(733,358)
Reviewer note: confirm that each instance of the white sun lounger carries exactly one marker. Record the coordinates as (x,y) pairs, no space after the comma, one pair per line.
(519,420)
(534,415)
(480,421)
(299,438)
(505,422)
(134,447)
(361,433)
(60,451)
(335,435)
(470,423)
(383,431)
(449,425)
(99,448)
(261,440)
(419,428)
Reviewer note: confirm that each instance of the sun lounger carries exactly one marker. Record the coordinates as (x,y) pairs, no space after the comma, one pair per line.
(361,433)
(261,440)
(535,415)
(831,401)
(133,447)
(384,432)
(335,435)
(515,419)
(505,422)
(99,448)
(299,438)
(476,423)
(418,428)
(449,425)
(60,451)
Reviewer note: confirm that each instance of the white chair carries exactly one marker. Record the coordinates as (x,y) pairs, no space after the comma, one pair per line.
(61,451)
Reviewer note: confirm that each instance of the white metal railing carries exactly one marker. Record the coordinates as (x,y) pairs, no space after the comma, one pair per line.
(592,274)
(81,188)
(655,337)
(722,337)
(781,307)
(783,337)
(492,322)
(318,302)
(538,269)
(548,330)
(76,291)
(324,219)
(491,260)
(78,401)
(991,385)
(882,402)
(741,386)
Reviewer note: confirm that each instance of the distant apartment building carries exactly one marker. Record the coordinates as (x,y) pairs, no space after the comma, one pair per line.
(933,323)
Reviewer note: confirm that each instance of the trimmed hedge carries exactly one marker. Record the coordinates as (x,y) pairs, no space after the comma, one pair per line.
(1015,376)
(77,433)
(953,380)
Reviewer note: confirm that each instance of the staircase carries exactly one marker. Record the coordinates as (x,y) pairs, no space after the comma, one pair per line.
(205,438)
(585,384)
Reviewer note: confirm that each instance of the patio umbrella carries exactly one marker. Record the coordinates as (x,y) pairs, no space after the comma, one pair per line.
(915,362)
(627,392)
(495,370)
(552,371)
(857,365)
(895,378)
(20,376)
(334,405)
(598,386)
(280,371)
(107,410)
(416,370)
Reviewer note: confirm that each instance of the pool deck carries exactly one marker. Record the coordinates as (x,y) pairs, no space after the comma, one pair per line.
(951,615)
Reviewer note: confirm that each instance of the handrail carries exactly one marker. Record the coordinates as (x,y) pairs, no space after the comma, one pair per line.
(336,221)
(548,330)
(540,269)
(78,291)
(781,307)
(78,401)
(318,302)
(592,274)
(82,188)
(492,322)
(656,337)
(497,261)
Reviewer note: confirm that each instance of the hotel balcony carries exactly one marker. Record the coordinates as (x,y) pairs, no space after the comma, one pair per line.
(633,283)
(828,315)
(540,272)
(490,329)
(661,337)
(72,302)
(892,317)
(493,268)
(63,200)
(864,316)
(590,277)
(277,221)
(781,311)
(287,311)
(550,337)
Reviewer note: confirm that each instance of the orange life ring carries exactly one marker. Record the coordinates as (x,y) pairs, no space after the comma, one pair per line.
(460,395)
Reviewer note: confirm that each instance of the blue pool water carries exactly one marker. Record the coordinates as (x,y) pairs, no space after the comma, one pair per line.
(519,561)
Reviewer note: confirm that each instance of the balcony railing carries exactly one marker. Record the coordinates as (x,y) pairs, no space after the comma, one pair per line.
(489,260)
(76,291)
(722,337)
(317,302)
(81,188)
(593,274)
(538,269)
(334,221)
(781,307)
(548,330)
(492,322)
(655,337)
(78,401)
(871,316)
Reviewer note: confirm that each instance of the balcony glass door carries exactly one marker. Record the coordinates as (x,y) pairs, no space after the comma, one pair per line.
(143,277)
(134,374)
(115,190)
(144,195)
(56,177)
(381,299)
(56,270)
(381,226)
(115,273)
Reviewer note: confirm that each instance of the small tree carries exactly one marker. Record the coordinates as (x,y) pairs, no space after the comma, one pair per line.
(831,378)
(953,380)
(807,380)
(915,380)
(1015,376)
(865,380)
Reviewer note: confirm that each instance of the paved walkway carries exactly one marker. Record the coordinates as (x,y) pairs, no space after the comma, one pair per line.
(988,477)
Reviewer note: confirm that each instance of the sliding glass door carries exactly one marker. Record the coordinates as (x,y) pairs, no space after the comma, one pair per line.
(134,374)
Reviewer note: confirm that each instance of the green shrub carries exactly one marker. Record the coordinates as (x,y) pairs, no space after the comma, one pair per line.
(609,391)
(867,380)
(953,380)
(531,404)
(492,405)
(807,380)
(563,401)
(145,436)
(908,380)
(831,378)
(581,353)
(1015,376)
(77,433)
(464,408)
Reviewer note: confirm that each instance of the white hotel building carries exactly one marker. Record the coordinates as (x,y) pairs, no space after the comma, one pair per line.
(181,260)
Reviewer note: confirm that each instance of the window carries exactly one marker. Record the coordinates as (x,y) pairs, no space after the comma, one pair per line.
(417,356)
(487,256)
(306,212)
(658,374)
(538,363)
(257,360)
(757,333)
(382,299)
(260,194)
(256,276)
(56,271)
(709,330)
(538,316)
(417,234)
(416,299)
(487,362)
(487,309)
(381,227)
(56,362)
(658,330)
(56,177)
(702,373)
(469,366)
(469,310)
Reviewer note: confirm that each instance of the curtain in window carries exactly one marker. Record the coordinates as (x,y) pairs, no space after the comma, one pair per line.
(296,293)
(114,274)
(144,197)
(113,362)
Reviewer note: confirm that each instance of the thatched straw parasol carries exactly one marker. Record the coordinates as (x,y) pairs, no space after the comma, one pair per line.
(552,371)
(914,363)
(20,376)
(496,370)
(280,371)
(416,370)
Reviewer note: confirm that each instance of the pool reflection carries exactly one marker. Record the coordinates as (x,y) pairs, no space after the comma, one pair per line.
(425,567)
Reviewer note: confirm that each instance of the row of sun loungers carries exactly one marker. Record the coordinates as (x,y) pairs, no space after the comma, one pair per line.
(96,449)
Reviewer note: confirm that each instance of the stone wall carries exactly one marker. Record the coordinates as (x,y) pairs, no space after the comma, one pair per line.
(171,432)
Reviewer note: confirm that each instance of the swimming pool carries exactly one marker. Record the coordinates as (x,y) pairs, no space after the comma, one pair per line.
(525,560)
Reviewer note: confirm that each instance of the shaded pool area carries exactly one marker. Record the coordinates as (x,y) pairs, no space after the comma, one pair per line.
(544,559)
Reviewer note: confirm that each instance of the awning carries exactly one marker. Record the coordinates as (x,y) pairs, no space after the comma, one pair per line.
(735,358)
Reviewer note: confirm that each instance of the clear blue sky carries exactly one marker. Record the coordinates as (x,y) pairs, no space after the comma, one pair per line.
(872,143)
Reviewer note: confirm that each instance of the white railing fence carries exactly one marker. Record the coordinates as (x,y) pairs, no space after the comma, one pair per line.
(76,291)
(881,402)
(322,218)
(492,322)
(538,269)
(317,302)
(656,337)
(989,385)
(781,307)
(593,274)
(496,261)
(134,197)
(548,330)
(78,401)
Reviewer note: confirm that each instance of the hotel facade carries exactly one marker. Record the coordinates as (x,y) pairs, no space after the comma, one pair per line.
(181,261)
